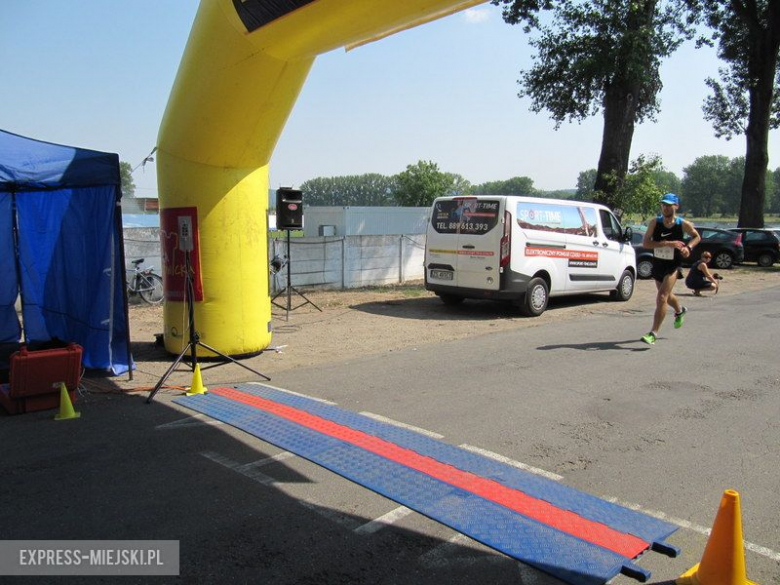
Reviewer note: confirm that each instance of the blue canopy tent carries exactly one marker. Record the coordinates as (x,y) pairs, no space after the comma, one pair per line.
(61,249)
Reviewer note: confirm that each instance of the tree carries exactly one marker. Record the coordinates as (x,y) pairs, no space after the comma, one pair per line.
(513,186)
(586,182)
(556,194)
(371,189)
(773,202)
(667,181)
(639,192)
(713,184)
(126,178)
(732,186)
(600,55)
(423,182)
(745,100)
(704,183)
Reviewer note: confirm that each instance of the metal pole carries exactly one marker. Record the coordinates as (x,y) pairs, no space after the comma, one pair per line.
(17,261)
(343,260)
(401,260)
(120,235)
(289,276)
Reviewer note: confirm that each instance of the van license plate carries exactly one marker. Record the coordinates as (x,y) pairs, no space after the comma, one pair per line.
(441,274)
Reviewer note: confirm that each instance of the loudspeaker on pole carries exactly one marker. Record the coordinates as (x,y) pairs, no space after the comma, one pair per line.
(289,209)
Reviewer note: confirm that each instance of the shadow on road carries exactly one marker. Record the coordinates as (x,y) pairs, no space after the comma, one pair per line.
(470,309)
(126,470)
(634,345)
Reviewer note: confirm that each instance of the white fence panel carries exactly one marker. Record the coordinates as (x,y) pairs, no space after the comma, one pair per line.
(319,262)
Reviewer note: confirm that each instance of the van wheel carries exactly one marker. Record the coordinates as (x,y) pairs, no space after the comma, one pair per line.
(450,300)
(534,302)
(625,287)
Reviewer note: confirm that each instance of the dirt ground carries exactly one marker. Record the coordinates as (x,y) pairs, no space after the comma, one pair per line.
(361,322)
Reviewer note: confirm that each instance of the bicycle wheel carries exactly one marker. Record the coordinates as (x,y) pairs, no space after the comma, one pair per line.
(150,287)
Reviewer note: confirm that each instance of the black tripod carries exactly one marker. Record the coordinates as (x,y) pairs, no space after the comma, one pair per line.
(290,289)
(194,341)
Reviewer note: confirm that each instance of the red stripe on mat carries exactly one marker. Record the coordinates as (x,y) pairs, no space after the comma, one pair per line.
(566,521)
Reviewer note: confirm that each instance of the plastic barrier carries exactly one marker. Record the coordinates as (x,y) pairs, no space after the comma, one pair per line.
(242,70)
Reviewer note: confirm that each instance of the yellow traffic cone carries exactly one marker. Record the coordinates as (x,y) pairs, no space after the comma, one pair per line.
(197,383)
(66,406)
(723,562)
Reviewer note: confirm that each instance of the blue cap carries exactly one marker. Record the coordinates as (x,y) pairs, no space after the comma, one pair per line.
(671,199)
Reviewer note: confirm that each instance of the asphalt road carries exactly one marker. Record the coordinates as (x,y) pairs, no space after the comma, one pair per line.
(664,429)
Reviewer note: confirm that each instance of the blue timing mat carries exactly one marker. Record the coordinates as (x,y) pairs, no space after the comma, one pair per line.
(574,536)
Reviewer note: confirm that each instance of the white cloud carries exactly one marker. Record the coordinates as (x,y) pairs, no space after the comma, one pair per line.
(476,15)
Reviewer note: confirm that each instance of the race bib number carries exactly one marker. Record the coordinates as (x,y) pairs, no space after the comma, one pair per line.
(664,253)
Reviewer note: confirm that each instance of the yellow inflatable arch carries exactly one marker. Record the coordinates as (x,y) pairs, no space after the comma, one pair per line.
(243,67)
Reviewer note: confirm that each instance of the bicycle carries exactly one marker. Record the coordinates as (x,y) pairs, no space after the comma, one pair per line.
(145,283)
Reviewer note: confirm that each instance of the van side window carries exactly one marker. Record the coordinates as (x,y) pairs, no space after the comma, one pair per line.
(551,217)
(610,225)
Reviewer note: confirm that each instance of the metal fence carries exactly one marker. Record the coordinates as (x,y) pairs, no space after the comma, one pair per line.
(318,262)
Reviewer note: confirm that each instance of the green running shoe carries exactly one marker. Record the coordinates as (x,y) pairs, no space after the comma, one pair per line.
(649,339)
(679,318)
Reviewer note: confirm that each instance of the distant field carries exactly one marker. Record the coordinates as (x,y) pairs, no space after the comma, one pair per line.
(282,234)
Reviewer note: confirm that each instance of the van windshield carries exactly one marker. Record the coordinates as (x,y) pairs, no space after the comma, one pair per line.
(464,216)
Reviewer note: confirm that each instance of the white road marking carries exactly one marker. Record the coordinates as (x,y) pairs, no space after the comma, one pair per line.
(447,554)
(333,515)
(756,548)
(249,472)
(265,461)
(293,393)
(383,521)
(190,421)
(439,555)
(395,423)
(513,463)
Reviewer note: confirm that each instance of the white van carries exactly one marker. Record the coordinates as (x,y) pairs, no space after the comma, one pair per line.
(525,250)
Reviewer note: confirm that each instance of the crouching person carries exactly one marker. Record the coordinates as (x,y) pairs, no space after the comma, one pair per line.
(700,278)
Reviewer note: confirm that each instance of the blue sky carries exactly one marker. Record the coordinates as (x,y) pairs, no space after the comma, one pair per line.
(97,74)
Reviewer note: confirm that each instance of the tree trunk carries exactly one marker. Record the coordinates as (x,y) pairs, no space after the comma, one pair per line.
(762,64)
(619,116)
(751,208)
(621,98)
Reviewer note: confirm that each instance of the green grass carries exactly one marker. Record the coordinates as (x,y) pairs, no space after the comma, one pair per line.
(282,234)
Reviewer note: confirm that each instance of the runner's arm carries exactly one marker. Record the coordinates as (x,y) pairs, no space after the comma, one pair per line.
(691,231)
(648,241)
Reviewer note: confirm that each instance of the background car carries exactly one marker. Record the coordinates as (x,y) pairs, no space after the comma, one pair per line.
(761,245)
(724,245)
(644,256)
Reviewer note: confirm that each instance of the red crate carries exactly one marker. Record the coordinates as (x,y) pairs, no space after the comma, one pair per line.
(35,378)
(30,403)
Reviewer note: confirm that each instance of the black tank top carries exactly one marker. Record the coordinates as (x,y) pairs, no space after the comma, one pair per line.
(695,278)
(662,233)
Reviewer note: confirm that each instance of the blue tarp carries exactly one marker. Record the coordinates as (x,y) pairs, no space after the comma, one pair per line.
(66,256)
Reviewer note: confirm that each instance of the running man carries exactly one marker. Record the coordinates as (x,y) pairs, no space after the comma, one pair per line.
(665,236)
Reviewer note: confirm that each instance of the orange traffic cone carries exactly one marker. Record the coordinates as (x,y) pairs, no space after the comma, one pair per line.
(197,383)
(66,406)
(723,562)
